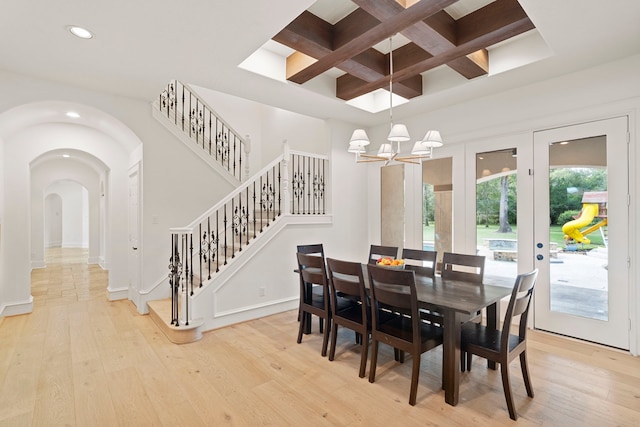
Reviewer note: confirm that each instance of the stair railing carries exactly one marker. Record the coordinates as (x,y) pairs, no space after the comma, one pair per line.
(204,247)
(205,128)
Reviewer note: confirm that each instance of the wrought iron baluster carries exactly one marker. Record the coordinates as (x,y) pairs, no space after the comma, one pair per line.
(217,242)
(279,189)
(255,214)
(248,216)
(225,234)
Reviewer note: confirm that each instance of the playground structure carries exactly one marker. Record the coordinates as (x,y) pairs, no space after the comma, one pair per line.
(594,205)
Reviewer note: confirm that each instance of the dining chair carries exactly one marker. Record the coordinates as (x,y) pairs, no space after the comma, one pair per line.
(501,346)
(395,290)
(316,249)
(415,259)
(376,252)
(349,296)
(468,268)
(313,273)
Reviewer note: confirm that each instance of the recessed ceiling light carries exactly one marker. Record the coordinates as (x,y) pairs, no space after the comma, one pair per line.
(83,33)
(72,114)
(66,156)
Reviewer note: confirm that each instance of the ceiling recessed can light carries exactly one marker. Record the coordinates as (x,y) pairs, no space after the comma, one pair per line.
(66,156)
(83,33)
(72,114)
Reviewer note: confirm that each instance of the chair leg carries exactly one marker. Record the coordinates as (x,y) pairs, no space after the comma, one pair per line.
(415,375)
(506,384)
(325,337)
(469,358)
(301,326)
(463,361)
(321,324)
(364,348)
(374,360)
(525,373)
(334,339)
(398,355)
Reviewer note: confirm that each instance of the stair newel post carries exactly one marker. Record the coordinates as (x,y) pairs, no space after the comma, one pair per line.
(247,152)
(286,155)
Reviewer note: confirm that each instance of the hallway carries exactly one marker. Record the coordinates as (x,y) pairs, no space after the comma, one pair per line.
(67,278)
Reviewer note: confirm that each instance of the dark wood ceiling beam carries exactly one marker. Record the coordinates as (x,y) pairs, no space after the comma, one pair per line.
(485,27)
(436,34)
(361,42)
(312,36)
(348,84)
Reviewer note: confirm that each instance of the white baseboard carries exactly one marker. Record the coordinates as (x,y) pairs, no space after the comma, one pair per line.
(14,309)
(117,294)
(38,264)
(94,260)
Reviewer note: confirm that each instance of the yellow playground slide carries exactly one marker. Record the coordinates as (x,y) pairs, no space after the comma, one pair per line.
(571,229)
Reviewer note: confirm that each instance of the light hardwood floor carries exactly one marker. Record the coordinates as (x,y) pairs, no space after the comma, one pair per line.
(79,360)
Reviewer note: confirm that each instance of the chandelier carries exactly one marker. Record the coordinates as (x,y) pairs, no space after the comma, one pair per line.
(390,150)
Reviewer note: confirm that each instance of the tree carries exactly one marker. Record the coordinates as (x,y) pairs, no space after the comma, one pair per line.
(487,201)
(504,205)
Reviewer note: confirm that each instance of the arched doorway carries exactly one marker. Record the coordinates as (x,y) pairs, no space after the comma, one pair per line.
(36,140)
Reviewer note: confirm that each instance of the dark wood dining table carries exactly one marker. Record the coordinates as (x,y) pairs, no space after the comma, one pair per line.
(457,301)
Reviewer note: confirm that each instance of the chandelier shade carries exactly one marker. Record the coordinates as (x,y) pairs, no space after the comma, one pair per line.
(432,139)
(399,133)
(359,137)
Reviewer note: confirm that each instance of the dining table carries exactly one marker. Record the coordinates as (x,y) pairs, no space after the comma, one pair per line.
(457,302)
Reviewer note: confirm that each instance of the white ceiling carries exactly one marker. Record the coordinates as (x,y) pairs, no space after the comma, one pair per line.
(140,46)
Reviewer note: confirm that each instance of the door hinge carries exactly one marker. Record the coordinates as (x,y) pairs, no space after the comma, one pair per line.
(628,137)
(628,262)
(530,172)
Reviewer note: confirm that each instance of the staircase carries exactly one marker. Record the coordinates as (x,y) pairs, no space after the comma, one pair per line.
(204,250)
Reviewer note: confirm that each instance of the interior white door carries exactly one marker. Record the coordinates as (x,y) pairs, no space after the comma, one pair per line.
(583,285)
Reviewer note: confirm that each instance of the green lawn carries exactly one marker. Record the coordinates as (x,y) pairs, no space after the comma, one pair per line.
(556,235)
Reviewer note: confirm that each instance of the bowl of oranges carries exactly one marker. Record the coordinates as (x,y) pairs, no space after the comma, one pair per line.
(397,264)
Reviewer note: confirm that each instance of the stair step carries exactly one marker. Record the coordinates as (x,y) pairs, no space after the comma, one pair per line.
(160,312)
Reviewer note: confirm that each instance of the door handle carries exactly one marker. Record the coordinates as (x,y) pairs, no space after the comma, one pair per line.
(134,248)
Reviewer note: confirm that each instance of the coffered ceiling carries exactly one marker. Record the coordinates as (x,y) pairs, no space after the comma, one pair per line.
(433,35)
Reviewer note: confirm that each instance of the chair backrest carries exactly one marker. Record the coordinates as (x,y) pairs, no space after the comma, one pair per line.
(415,259)
(346,280)
(394,290)
(469,268)
(314,249)
(377,252)
(519,305)
(312,271)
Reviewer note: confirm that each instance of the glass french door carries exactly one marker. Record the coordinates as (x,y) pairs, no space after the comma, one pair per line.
(581,224)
